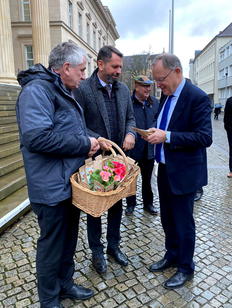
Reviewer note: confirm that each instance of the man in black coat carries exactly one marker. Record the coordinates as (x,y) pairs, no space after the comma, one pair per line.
(108,113)
(145,107)
(228,128)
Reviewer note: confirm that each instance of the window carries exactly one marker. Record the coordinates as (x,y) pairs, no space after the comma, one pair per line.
(87,31)
(26,10)
(89,72)
(99,43)
(29,56)
(222,55)
(80,24)
(94,40)
(70,14)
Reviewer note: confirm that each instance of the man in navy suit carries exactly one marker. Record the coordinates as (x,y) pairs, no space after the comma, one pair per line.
(182,131)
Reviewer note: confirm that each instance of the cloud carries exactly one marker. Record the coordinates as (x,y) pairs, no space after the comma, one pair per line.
(146,23)
(136,18)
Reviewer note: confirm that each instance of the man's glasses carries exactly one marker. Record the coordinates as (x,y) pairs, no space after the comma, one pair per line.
(162,79)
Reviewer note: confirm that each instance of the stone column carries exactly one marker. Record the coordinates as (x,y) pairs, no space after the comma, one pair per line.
(40,31)
(7,69)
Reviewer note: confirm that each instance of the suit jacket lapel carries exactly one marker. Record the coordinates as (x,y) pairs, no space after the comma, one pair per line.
(121,113)
(98,95)
(180,105)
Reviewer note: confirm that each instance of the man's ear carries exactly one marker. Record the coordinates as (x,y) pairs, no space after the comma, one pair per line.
(178,71)
(66,68)
(100,65)
(136,87)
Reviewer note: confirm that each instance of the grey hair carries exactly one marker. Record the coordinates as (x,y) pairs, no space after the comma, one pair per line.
(66,52)
(169,61)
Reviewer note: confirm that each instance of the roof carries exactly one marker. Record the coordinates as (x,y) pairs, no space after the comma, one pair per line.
(227,31)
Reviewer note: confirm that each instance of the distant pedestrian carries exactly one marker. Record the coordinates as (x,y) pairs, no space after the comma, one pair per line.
(217,111)
(228,128)
(145,107)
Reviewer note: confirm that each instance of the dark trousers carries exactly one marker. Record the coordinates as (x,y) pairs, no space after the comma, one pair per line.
(178,223)
(55,249)
(229,135)
(113,229)
(146,168)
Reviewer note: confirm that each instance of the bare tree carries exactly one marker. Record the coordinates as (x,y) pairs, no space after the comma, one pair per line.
(138,64)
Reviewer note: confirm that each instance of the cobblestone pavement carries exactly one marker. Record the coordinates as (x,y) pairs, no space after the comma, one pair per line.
(142,242)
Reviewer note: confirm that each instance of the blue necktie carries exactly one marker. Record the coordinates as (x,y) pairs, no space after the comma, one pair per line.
(162,126)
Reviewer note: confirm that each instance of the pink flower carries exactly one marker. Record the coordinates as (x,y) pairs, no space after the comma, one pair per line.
(105,178)
(105,175)
(106,167)
(117,178)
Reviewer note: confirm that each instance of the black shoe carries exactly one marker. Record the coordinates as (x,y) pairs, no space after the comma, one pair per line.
(99,263)
(129,210)
(198,194)
(178,280)
(118,256)
(77,292)
(151,209)
(59,306)
(161,265)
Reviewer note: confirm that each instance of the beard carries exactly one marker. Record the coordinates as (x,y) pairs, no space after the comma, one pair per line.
(110,79)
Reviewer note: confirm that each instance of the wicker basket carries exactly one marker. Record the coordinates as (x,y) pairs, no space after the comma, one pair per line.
(96,203)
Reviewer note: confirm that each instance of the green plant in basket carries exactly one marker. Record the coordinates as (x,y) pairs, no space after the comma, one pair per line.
(112,172)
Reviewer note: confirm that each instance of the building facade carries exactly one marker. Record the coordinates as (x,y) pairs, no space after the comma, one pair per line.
(38,26)
(225,73)
(205,67)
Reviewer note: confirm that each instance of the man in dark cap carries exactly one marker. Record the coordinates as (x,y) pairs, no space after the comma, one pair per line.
(145,107)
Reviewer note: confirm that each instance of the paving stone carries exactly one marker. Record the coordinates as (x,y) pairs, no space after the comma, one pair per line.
(142,240)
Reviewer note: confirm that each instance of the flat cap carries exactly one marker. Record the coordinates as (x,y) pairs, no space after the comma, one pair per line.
(143,80)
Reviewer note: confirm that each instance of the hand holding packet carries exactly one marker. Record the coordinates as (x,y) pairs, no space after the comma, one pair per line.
(142,132)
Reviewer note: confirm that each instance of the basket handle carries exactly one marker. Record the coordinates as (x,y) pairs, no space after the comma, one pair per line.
(111,150)
(121,152)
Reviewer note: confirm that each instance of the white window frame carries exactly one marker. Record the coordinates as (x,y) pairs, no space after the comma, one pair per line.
(29,59)
(70,14)
(94,39)
(24,2)
(80,24)
(87,34)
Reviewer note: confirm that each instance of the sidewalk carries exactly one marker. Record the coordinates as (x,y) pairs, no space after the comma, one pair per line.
(143,243)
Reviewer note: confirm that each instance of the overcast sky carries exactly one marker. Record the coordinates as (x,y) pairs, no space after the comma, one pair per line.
(144,24)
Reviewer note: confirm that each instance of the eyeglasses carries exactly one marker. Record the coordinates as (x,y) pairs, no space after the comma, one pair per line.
(145,85)
(162,79)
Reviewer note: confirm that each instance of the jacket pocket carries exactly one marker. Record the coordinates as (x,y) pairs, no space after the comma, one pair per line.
(194,160)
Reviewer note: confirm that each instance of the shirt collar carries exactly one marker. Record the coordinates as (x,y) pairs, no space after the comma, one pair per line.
(140,101)
(179,88)
(103,82)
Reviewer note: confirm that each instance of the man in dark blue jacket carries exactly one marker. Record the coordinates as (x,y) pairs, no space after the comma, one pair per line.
(54,144)
(145,107)
(181,134)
